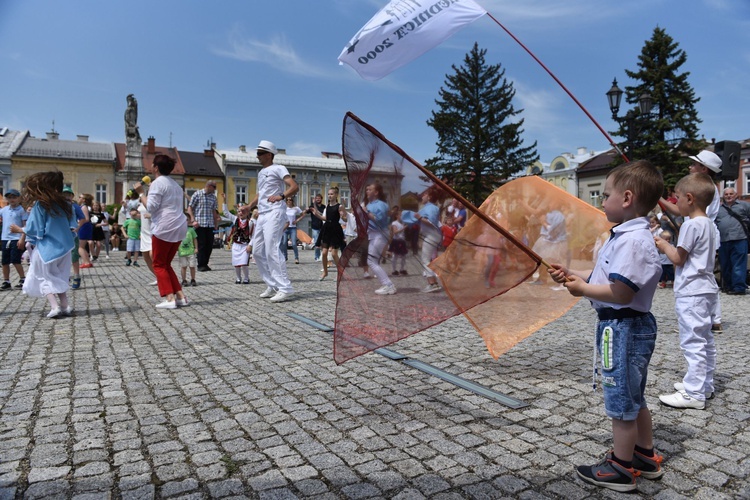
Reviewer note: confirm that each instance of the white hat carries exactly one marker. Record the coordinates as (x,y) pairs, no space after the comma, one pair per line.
(271,148)
(709,160)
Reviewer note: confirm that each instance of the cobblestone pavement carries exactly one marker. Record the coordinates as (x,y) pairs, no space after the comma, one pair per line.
(232,398)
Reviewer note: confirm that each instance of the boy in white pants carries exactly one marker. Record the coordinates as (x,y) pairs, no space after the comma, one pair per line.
(696,292)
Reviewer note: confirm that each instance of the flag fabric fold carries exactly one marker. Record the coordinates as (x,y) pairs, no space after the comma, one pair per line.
(490,276)
(404,30)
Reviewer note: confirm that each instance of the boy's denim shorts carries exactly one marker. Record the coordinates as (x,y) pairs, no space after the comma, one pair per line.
(625,347)
(133,245)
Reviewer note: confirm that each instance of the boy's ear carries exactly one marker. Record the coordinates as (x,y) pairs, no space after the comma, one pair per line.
(627,198)
(689,198)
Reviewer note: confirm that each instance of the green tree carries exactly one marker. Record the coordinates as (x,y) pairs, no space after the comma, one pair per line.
(670,132)
(479,145)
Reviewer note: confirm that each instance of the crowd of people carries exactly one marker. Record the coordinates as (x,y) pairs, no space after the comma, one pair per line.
(645,251)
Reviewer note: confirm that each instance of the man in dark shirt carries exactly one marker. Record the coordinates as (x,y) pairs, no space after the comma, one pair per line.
(315,223)
(733,214)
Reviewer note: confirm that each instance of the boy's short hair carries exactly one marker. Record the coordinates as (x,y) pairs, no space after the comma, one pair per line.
(700,186)
(643,180)
(134,210)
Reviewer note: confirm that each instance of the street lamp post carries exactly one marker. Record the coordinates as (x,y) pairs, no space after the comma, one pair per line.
(645,104)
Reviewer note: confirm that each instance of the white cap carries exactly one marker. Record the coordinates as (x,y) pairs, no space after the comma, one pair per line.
(709,160)
(271,148)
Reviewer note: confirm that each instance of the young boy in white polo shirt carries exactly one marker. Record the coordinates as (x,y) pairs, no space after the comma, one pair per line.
(621,287)
(695,290)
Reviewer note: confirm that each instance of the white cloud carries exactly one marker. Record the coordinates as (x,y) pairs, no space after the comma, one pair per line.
(301,148)
(277,53)
(541,108)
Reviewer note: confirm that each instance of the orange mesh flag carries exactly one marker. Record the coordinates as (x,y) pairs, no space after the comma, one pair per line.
(481,269)
(418,259)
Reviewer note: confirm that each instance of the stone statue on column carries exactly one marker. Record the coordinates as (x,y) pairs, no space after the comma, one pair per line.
(133,143)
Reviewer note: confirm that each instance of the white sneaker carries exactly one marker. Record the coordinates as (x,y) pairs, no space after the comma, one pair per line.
(281,296)
(367,276)
(68,311)
(153,283)
(167,305)
(680,387)
(182,302)
(386,290)
(431,288)
(682,400)
(270,292)
(54,313)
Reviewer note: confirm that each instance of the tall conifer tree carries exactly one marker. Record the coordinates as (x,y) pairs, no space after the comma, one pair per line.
(479,145)
(671,131)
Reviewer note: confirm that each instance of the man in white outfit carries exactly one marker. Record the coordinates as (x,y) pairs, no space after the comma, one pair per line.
(274,186)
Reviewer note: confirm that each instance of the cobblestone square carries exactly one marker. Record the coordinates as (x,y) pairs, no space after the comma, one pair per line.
(232,398)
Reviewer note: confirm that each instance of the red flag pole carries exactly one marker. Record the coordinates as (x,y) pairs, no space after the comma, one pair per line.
(611,141)
(586,112)
(489,220)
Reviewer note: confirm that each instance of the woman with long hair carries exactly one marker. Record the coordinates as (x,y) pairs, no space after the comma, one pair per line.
(331,236)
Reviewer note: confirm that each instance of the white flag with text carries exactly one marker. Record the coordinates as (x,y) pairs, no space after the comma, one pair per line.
(404,30)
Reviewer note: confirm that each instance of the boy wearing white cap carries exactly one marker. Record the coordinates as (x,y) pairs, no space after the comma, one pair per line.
(274,186)
(709,163)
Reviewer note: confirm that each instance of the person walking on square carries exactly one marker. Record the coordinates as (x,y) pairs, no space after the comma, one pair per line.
(13,244)
(186,255)
(99,220)
(431,236)
(331,236)
(168,228)
(293,215)
(50,228)
(240,237)
(695,290)
(132,228)
(377,236)
(204,216)
(621,288)
(74,256)
(275,185)
(733,220)
(86,231)
(397,246)
(316,224)
(145,246)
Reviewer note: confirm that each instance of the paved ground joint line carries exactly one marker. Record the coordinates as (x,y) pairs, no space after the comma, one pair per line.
(429,369)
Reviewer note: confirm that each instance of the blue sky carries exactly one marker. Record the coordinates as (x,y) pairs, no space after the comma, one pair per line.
(236,72)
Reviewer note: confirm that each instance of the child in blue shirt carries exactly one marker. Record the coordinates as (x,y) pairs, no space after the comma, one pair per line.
(12,244)
(50,228)
(621,287)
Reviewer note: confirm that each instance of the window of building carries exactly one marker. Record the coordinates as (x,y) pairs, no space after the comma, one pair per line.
(2,187)
(345,196)
(100,193)
(595,199)
(747,183)
(315,191)
(240,195)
